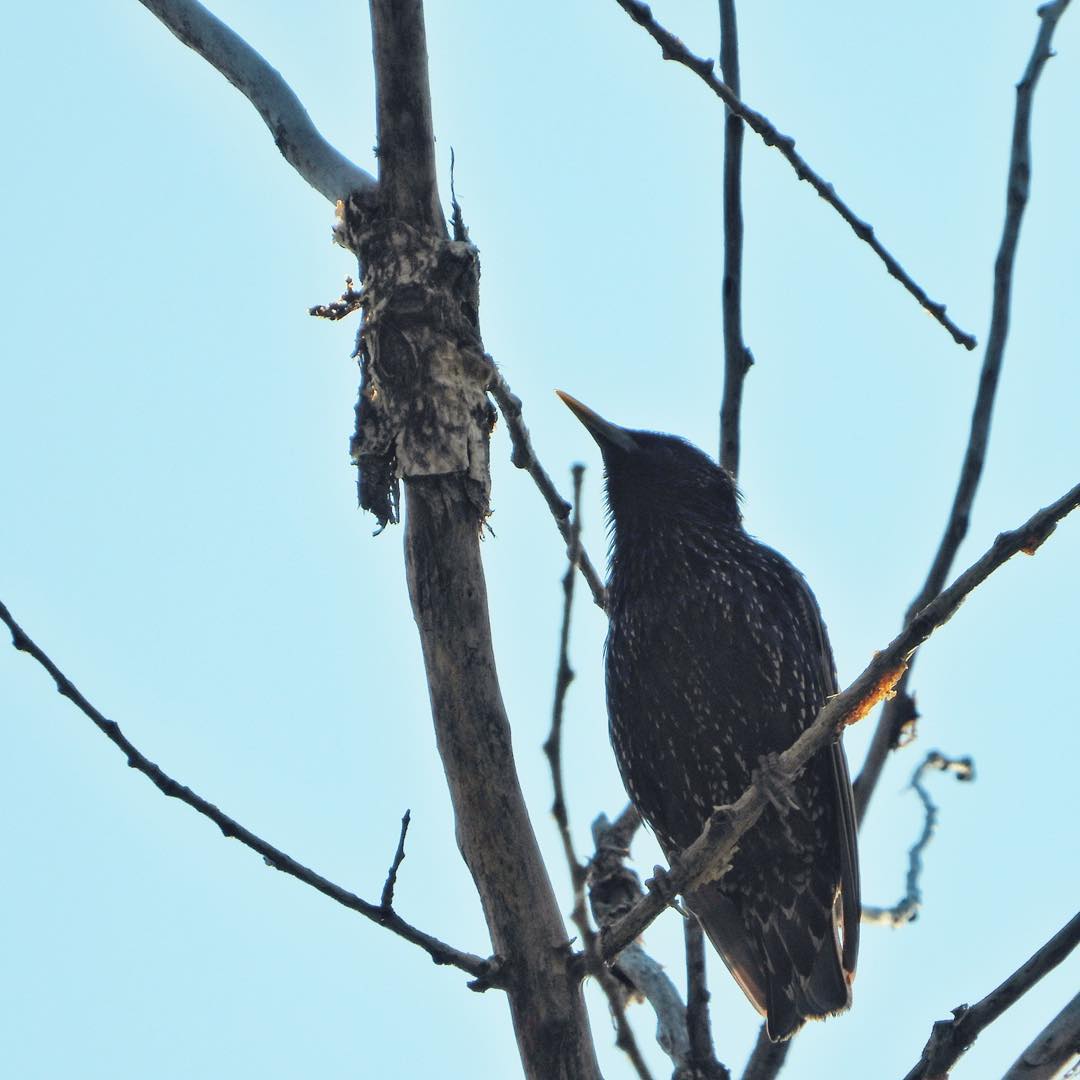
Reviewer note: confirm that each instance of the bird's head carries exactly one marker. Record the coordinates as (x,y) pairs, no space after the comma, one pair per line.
(652,478)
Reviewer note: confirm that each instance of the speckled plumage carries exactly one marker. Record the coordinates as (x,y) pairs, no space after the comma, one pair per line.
(716,656)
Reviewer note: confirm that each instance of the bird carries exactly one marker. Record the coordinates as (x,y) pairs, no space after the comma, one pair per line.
(716,659)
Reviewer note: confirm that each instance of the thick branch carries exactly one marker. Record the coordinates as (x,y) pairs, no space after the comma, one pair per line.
(1055,1047)
(524,457)
(382,913)
(768,1057)
(737,357)
(327,170)
(674,49)
(900,709)
(407,179)
(712,850)
(950,1039)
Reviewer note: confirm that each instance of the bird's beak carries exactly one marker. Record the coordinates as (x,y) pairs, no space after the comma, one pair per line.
(603,431)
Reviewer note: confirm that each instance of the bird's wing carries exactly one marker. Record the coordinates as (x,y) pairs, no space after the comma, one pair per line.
(850,901)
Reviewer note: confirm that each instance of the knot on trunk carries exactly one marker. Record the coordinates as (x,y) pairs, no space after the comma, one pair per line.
(423,409)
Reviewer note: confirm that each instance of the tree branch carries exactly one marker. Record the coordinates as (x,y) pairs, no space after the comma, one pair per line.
(703,1064)
(624,1037)
(327,170)
(381,913)
(950,1039)
(613,890)
(907,908)
(767,1058)
(737,357)
(424,415)
(1053,1049)
(901,709)
(673,49)
(524,457)
(712,850)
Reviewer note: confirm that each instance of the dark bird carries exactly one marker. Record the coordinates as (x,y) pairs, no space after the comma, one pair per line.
(717,657)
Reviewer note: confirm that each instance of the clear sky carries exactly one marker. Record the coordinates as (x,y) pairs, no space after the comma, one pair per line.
(180,530)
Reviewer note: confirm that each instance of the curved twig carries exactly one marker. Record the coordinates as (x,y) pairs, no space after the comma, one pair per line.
(906,909)
(326,169)
(382,913)
(901,709)
(674,49)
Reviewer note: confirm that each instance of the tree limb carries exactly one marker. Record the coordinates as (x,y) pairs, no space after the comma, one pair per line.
(624,1037)
(737,357)
(950,1039)
(524,457)
(381,913)
(767,1058)
(613,889)
(907,908)
(327,170)
(901,709)
(1053,1049)
(710,853)
(703,1064)
(674,49)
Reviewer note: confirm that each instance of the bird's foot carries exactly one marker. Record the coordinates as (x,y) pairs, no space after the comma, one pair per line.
(661,884)
(773,781)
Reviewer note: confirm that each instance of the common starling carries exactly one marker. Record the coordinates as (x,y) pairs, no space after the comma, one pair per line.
(717,657)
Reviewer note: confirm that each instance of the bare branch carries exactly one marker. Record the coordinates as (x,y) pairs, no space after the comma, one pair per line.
(613,890)
(901,709)
(382,914)
(712,850)
(907,908)
(524,457)
(703,1064)
(387,901)
(737,357)
(327,170)
(767,1058)
(674,49)
(624,1038)
(950,1039)
(1053,1049)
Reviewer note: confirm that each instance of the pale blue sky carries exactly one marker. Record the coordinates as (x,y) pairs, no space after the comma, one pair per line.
(180,530)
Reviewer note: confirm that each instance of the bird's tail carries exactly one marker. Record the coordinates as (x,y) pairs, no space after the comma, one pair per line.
(789,972)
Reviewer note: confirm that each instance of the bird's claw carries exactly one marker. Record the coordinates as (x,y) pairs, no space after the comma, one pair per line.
(772,780)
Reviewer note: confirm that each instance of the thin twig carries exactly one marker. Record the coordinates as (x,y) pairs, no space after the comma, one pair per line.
(524,457)
(387,901)
(613,890)
(326,169)
(624,1037)
(439,951)
(674,49)
(1053,1048)
(713,848)
(768,1057)
(703,1063)
(737,357)
(951,1038)
(906,909)
(350,300)
(900,711)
